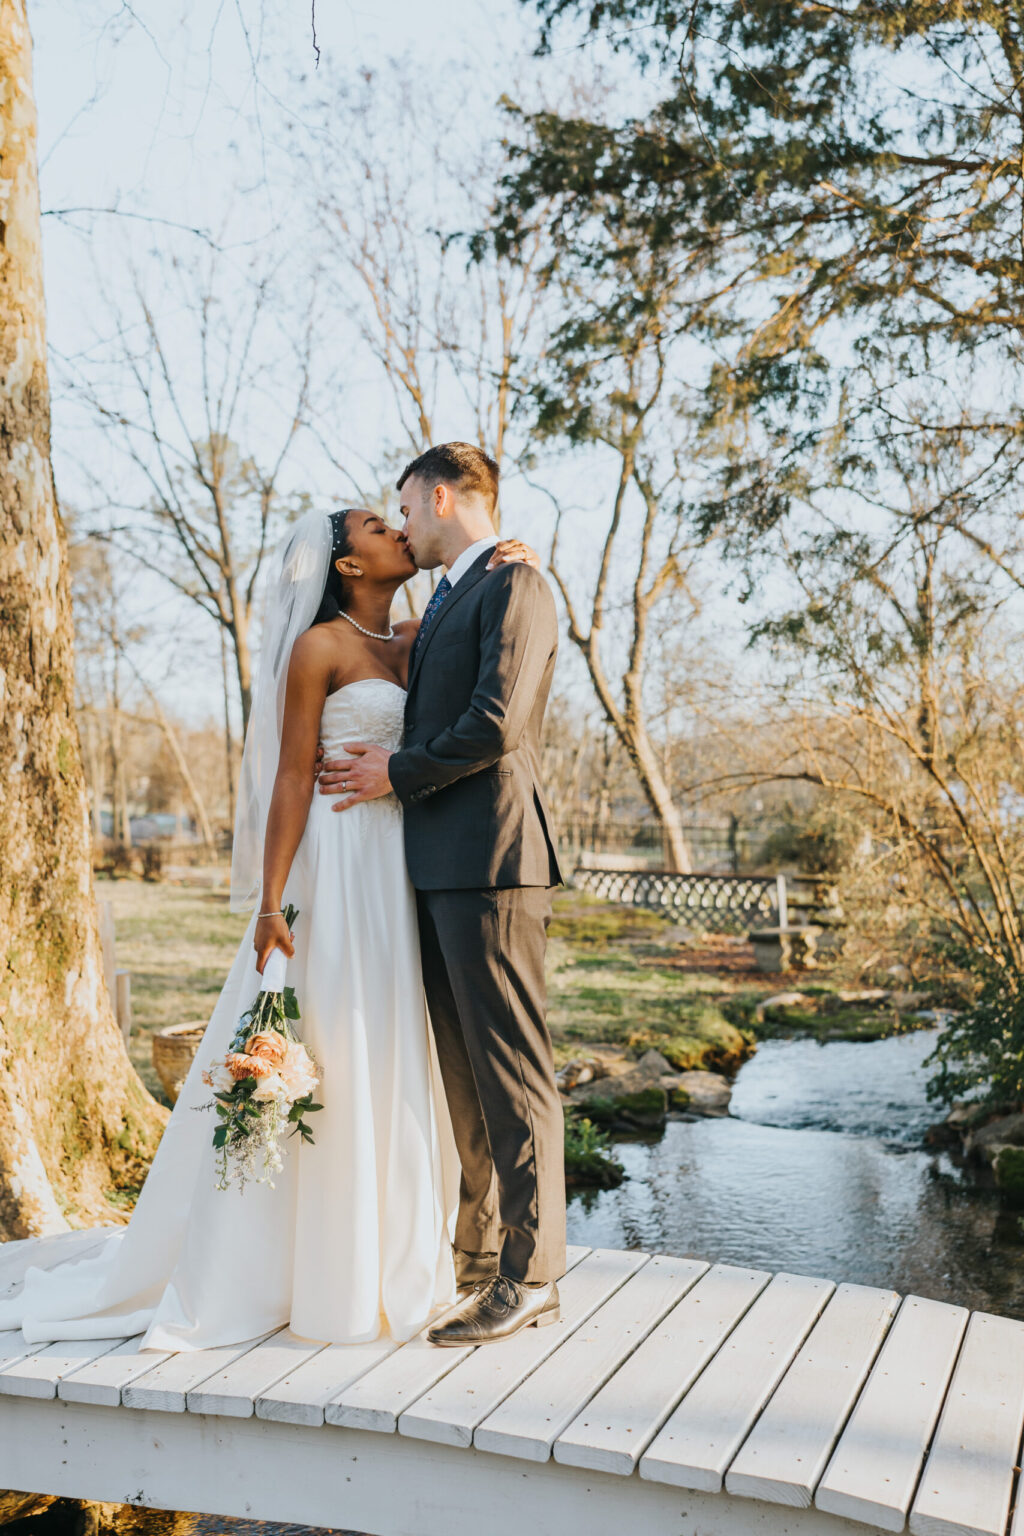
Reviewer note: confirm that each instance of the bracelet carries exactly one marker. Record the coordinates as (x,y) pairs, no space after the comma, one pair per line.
(270,914)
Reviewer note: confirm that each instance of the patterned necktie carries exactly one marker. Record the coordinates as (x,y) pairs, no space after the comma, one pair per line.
(440,592)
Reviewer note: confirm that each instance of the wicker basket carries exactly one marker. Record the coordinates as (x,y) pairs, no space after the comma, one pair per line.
(174,1050)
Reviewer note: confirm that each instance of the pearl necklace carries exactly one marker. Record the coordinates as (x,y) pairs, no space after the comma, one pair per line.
(389,636)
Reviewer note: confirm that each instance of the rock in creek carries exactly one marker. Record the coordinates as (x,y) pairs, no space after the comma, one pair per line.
(702,1093)
(645,1110)
(778,1005)
(647,1073)
(1007,1130)
(640,1096)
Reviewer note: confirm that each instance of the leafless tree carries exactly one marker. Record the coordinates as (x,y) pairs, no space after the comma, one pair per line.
(107,646)
(205,392)
(443,321)
(647,553)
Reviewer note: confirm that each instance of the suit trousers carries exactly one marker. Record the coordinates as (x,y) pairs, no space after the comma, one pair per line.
(483,969)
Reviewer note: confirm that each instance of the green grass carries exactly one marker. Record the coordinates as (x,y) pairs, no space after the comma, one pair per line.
(178,943)
(585,920)
(608,986)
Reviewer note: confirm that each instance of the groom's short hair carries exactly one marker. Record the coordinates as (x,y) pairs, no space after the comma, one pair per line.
(460,465)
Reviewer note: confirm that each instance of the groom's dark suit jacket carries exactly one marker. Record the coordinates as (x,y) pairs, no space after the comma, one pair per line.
(469,772)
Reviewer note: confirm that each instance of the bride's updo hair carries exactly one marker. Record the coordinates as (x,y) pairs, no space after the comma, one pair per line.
(335,598)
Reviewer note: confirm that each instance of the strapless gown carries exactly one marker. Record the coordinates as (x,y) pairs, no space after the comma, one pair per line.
(355,1236)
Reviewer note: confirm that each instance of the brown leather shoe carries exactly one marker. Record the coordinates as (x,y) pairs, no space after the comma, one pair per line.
(496,1310)
(472,1270)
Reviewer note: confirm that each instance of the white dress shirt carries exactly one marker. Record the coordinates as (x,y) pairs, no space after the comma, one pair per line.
(462,563)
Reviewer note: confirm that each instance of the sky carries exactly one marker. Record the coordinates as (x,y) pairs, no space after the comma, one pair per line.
(161,124)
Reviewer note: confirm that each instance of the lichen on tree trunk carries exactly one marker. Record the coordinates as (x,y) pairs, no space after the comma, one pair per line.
(75,1121)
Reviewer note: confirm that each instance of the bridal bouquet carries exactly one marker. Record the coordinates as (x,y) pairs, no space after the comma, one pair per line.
(264,1083)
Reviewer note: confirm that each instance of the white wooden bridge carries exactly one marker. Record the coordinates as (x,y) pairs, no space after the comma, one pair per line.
(674,1398)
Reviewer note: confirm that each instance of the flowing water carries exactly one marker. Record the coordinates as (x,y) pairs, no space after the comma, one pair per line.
(820,1169)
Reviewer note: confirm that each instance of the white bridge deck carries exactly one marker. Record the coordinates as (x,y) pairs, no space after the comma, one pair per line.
(674,1398)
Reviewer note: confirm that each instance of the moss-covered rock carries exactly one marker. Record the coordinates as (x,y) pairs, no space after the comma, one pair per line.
(1008,1168)
(702,1093)
(645,1110)
(695,1035)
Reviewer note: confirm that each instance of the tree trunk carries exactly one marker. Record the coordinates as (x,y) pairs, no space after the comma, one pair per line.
(628,727)
(243,665)
(96,772)
(75,1121)
(121,828)
(659,797)
(229,745)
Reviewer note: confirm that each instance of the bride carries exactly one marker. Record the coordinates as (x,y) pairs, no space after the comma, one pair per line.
(354,1237)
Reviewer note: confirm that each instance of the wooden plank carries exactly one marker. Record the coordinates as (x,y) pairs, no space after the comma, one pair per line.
(301,1396)
(452,1410)
(785,1454)
(528,1421)
(39,1374)
(968,1477)
(233,1391)
(377,1400)
(13,1347)
(875,1466)
(700,1439)
(103,1379)
(616,1427)
(166,1387)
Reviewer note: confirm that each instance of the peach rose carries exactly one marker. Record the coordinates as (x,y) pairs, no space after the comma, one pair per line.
(267,1046)
(298,1072)
(247,1066)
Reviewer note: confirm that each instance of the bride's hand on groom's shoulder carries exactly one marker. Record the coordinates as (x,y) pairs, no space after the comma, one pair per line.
(361,776)
(513,552)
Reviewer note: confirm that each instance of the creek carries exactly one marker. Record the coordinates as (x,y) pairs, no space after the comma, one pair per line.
(819,1169)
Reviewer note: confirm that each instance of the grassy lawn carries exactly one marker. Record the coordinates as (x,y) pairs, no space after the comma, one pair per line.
(613,987)
(619,980)
(178,943)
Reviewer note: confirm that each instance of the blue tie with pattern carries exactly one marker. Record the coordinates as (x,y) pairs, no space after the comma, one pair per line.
(440,592)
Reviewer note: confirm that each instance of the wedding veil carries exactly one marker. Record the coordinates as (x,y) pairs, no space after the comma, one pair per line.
(294,587)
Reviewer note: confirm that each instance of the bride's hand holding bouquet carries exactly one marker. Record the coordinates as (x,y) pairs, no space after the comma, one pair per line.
(266,1080)
(273,931)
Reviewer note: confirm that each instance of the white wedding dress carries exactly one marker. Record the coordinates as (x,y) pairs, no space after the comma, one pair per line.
(355,1236)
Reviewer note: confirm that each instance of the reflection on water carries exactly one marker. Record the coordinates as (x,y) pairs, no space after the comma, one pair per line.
(822,1173)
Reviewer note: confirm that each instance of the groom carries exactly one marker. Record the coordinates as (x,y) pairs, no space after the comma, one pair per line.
(481,855)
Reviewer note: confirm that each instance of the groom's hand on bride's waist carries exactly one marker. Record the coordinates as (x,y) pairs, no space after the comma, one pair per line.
(363,776)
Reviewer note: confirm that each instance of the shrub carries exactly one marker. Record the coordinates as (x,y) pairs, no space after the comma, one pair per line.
(980,1052)
(587,1159)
